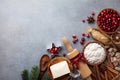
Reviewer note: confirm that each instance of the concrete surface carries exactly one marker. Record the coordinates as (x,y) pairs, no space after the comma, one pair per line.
(27,27)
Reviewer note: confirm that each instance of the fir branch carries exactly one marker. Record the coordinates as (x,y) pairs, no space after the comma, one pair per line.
(25,74)
(34,73)
(46,77)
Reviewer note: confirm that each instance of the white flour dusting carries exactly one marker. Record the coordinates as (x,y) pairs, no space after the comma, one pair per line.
(94,53)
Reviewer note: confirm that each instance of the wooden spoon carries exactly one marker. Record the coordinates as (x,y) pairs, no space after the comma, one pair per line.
(45,59)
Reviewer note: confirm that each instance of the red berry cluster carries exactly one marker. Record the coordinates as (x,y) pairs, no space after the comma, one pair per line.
(108,20)
(82,40)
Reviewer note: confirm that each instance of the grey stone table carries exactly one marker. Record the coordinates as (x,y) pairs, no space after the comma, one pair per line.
(27,27)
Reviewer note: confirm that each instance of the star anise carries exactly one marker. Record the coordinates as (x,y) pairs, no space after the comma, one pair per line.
(90,19)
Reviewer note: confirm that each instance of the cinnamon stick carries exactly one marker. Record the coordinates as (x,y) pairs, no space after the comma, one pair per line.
(109,61)
(115,78)
(103,67)
(102,76)
(93,75)
(110,74)
(97,72)
(112,70)
(106,76)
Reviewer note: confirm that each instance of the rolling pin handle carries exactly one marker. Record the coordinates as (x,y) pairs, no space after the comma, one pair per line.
(67,44)
(89,78)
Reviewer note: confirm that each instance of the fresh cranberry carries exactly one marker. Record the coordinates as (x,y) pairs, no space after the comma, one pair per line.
(119,19)
(93,13)
(63,54)
(83,21)
(83,39)
(73,35)
(87,35)
(107,16)
(81,42)
(115,23)
(102,13)
(83,34)
(103,19)
(113,18)
(74,41)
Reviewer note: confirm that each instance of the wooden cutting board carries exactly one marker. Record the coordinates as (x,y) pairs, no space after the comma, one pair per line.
(57,60)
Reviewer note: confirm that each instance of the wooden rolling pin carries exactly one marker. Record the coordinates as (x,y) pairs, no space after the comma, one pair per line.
(83,67)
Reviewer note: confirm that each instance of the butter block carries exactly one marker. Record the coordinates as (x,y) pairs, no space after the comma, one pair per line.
(59,69)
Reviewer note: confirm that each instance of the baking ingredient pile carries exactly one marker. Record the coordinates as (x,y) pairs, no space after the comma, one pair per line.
(99,59)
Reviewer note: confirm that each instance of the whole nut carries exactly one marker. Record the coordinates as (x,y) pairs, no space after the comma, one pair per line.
(117,68)
(116,63)
(113,59)
(117,55)
(112,54)
(118,60)
(110,50)
(114,49)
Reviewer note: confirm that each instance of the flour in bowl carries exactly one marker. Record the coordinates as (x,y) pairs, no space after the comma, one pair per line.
(94,53)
